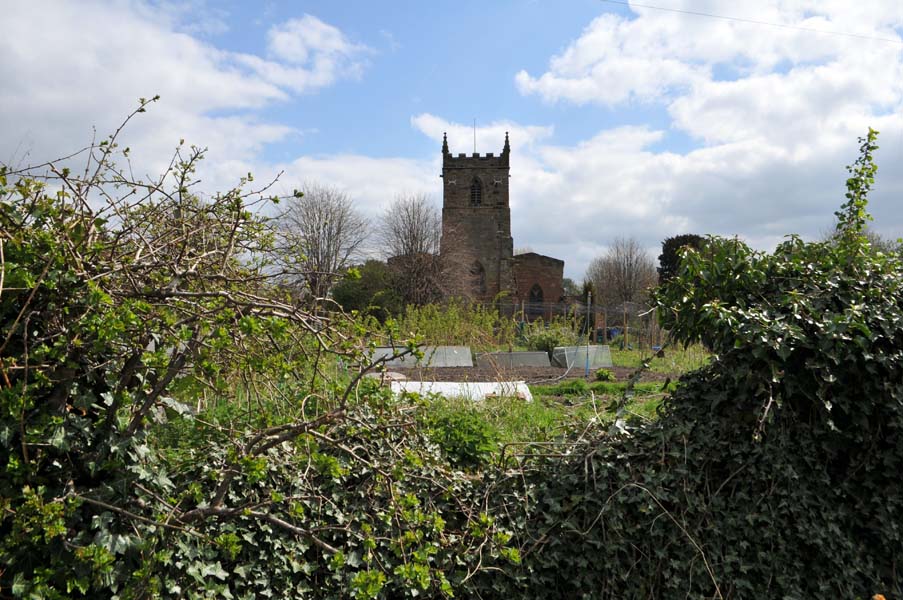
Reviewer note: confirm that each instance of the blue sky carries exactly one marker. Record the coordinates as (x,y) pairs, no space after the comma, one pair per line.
(625,120)
(453,59)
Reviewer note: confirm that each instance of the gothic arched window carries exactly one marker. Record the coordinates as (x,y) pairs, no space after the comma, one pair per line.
(535,306)
(535,293)
(476,192)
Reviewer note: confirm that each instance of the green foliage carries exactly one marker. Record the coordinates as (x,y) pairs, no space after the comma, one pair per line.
(772,472)
(368,289)
(462,433)
(458,323)
(373,516)
(579,387)
(166,423)
(852,218)
(172,427)
(571,289)
(541,336)
(604,375)
(573,386)
(512,419)
(472,434)
(672,249)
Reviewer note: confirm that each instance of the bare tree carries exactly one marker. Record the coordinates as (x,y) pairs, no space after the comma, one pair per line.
(623,274)
(321,234)
(877,241)
(410,226)
(410,230)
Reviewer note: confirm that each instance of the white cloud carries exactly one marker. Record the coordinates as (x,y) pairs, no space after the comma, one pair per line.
(658,54)
(774,113)
(308,39)
(309,54)
(610,64)
(488,137)
(68,69)
(373,183)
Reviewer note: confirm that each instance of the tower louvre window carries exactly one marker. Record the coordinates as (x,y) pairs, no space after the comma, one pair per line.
(476,192)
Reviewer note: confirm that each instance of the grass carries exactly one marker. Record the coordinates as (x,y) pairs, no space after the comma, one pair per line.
(557,410)
(579,387)
(676,360)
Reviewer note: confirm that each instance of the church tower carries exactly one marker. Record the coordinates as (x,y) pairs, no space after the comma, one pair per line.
(476,249)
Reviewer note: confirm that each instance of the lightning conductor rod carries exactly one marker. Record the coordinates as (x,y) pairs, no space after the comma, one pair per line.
(474,135)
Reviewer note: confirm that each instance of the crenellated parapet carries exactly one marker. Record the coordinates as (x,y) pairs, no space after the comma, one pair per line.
(475,160)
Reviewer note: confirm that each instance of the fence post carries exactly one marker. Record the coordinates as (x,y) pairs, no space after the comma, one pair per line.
(589,329)
(626,334)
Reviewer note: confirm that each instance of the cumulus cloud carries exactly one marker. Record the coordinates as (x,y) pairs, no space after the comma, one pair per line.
(67,72)
(309,54)
(610,64)
(772,113)
(67,69)
(461,137)
(767,116)
(657,54)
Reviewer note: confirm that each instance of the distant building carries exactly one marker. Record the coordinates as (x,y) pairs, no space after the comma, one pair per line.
(477,250)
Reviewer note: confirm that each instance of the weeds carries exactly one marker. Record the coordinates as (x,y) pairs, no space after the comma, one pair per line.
(673,361)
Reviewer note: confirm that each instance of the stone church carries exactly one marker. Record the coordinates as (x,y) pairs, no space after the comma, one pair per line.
(477,250)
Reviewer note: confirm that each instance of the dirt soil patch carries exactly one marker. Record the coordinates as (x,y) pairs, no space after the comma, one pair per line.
(537,375)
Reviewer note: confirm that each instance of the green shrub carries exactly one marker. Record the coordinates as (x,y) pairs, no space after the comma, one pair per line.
(288,486)
(464,435)
(541,336)
(605,375)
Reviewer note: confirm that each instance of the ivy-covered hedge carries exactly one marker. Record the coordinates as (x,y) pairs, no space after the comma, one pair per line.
(772,473)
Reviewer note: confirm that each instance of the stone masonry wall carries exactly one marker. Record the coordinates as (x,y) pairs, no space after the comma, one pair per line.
(535,269)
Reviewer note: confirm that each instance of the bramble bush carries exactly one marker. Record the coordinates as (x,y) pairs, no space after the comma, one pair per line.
(124,307)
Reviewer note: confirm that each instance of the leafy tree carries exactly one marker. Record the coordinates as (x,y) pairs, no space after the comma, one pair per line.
(571,289)
(669,259)
(369,288)
(877,242)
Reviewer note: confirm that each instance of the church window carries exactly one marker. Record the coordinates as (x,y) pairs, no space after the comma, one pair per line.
(535,307)
(476,192)
(535,293)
